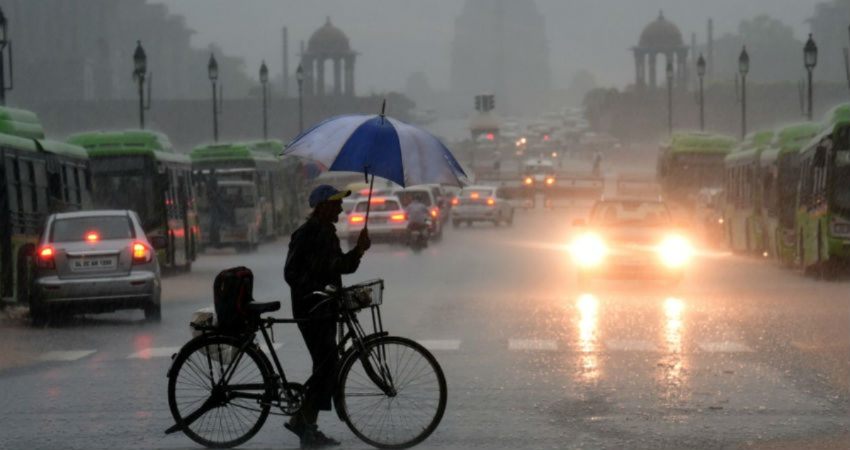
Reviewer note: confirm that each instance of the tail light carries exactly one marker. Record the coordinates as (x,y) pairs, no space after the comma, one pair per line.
(455,201)
(45,258)
(356,219)
(398,218)
(141,253)
(435,212)
(491,201)
(528,180)
(92,237)
(474,196)
(550,181)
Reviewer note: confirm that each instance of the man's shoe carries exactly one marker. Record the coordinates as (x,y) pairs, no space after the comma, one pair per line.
(297,428)
(313,438)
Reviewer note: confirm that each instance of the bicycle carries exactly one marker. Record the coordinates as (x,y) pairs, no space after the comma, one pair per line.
(391,390)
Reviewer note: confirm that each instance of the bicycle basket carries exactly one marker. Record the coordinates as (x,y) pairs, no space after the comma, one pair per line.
(362,295)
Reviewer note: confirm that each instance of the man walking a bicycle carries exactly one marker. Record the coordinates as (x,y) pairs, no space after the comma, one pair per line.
(315,260)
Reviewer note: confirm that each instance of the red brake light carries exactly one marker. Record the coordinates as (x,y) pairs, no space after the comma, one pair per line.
(45,258)
(398,217)
(473,195)
(528,180)
(490,136)
(379,201)
(550,181)
(92,237)
(141,253)
(356,219)
(491,201)
(435,212)
(455,201)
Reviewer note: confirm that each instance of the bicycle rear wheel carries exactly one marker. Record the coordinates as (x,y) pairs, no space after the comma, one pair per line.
(216,414)
(401,419)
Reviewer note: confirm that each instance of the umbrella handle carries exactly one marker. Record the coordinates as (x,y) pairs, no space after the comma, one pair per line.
(369,201)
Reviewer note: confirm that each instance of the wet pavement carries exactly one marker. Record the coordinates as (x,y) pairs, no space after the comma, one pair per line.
(742,354)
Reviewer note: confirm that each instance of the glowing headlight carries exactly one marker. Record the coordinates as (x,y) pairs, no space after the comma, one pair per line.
(588,250)
(675,251)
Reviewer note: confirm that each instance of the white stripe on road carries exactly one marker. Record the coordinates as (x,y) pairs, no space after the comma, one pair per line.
(630,345)
(154,352)
(440,344)
(532,344)
(65,355)
(724,347)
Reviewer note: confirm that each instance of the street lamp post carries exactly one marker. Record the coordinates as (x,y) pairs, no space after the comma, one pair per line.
(4,42)
(299,76)
(701,75)
(670,97)
(264,80)
(212,71)
(140,70)
(810,60)
(744,69)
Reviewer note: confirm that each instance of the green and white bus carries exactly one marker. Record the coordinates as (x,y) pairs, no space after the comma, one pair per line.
(823,204)
(38,177)
(744,193)
(690,162)
(780,174)
(247,193)
(140,170)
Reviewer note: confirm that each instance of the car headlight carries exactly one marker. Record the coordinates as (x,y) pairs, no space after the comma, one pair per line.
(588,250)
(675,251)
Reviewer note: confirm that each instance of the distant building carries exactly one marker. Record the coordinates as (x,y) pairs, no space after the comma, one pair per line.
(82,50)
(500,47)
(328,53)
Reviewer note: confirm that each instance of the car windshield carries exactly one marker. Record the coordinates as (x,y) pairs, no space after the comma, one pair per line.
(95,228)
(630,213)
(407,196)
(378,205)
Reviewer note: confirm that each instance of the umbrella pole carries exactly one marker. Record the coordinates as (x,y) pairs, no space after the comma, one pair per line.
(369,203)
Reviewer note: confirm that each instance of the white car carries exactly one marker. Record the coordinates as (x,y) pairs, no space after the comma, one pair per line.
(482,204)
(95,261)
(387,220)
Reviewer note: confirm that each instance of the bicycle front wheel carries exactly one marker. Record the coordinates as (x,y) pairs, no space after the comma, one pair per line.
(216,413)
(410,405)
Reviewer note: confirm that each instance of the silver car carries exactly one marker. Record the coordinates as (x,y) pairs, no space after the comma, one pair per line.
(95,261)
(482,204)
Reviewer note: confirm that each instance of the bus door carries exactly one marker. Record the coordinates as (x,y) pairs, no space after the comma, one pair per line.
(5,232)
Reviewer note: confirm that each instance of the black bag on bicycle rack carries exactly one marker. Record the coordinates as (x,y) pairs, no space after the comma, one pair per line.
(232,292)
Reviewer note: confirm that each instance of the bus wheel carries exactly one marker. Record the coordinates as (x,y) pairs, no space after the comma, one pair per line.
(24,275)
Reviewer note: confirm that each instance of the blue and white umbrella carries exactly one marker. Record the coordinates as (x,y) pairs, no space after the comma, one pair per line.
(379,146)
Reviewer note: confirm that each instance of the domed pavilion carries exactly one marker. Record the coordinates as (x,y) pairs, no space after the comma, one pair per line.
(661,37)
(328,43)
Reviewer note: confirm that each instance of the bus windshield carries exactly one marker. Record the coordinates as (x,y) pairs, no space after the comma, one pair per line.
(126,183)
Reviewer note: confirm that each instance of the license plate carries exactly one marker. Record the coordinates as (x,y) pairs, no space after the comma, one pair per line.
(93,263)
(377,220)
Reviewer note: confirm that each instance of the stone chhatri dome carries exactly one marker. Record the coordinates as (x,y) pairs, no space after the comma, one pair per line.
(660,34)
(328,39)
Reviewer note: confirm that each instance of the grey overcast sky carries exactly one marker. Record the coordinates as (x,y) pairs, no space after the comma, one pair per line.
(398,37)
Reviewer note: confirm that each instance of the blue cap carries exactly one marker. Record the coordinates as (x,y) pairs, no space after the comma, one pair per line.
(325,192)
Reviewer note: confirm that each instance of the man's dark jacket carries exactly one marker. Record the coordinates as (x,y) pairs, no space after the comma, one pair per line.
(315,260)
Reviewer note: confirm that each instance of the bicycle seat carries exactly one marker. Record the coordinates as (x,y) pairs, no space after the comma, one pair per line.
(260,308)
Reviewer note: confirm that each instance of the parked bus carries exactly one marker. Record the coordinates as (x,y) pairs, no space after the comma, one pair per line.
(780,175)
(690,162)
(276,192)
(38,177)
(140,170)
(743,193)
(823,205)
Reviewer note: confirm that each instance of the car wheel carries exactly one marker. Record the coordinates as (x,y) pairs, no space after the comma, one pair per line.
(153,312)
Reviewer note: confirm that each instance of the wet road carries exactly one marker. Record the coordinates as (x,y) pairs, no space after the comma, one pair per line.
(741,354)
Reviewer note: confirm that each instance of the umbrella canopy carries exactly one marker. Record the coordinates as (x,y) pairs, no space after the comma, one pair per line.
(379,146)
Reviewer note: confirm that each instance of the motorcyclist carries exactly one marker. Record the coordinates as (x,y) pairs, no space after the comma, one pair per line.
(418,217)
